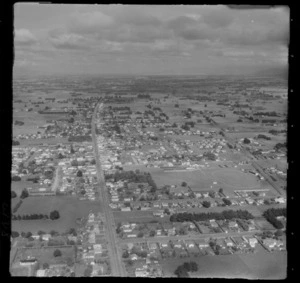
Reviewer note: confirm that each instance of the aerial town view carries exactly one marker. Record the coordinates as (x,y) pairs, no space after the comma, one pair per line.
(135,169)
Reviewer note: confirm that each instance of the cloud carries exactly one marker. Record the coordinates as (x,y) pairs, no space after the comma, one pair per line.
(24,37)
(135,16)
(67,41)
(89,22)
(217,16)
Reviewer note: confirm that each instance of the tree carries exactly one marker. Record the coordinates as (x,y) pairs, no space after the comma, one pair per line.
(54,215)
(246,141)
(13,194)
(74,163)
(221,191)
(181,271)
(125,254)
(15,143)
(45,265)
(152,233)
(15,234)
(206,204)
(60,156)
(28,235)
(227,201)
(183,184)
(24,194)
(16,178)
(57,253)
(72,231)
(79,173)
(88,272)
(278,233)
(53,233)
(140,234)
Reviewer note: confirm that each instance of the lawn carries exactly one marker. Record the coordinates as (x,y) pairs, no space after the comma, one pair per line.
(69,209)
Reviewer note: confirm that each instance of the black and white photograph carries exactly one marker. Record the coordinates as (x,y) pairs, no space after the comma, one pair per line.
(149,141)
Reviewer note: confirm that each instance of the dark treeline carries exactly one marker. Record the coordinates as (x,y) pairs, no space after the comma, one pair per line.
(270,113)
(53,216)
(17,206)
(272,214)
(224,215)
(260,136)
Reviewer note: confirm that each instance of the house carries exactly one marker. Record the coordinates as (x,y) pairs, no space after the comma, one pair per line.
(133,257)
(228,242)
(28,261)
(269,243)
(152,246)
(213,223)
(41,273)
(178,245)
(249,200)
(133,235)
(190,244)
(252,242)
(280,200)
(46,237)
(233,224)
(126,208)
(141,273)
(202,243)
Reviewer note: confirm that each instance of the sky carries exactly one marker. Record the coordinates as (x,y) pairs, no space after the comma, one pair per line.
(148,39)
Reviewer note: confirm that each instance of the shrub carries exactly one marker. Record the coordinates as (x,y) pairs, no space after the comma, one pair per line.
(57,253)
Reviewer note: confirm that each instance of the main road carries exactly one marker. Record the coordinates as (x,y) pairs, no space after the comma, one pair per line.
(114,252)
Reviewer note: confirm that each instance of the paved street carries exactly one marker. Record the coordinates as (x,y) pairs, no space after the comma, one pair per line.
(115,256)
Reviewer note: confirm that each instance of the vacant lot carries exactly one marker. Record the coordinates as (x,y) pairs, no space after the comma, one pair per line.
(69,209)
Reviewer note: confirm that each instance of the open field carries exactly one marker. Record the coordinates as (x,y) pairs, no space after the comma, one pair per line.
(203,179)
(20,185)
(45,255)
(69,209)
(261,265)
(134,216)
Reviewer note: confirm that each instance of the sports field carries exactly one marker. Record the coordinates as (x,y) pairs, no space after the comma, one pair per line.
(204,179)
